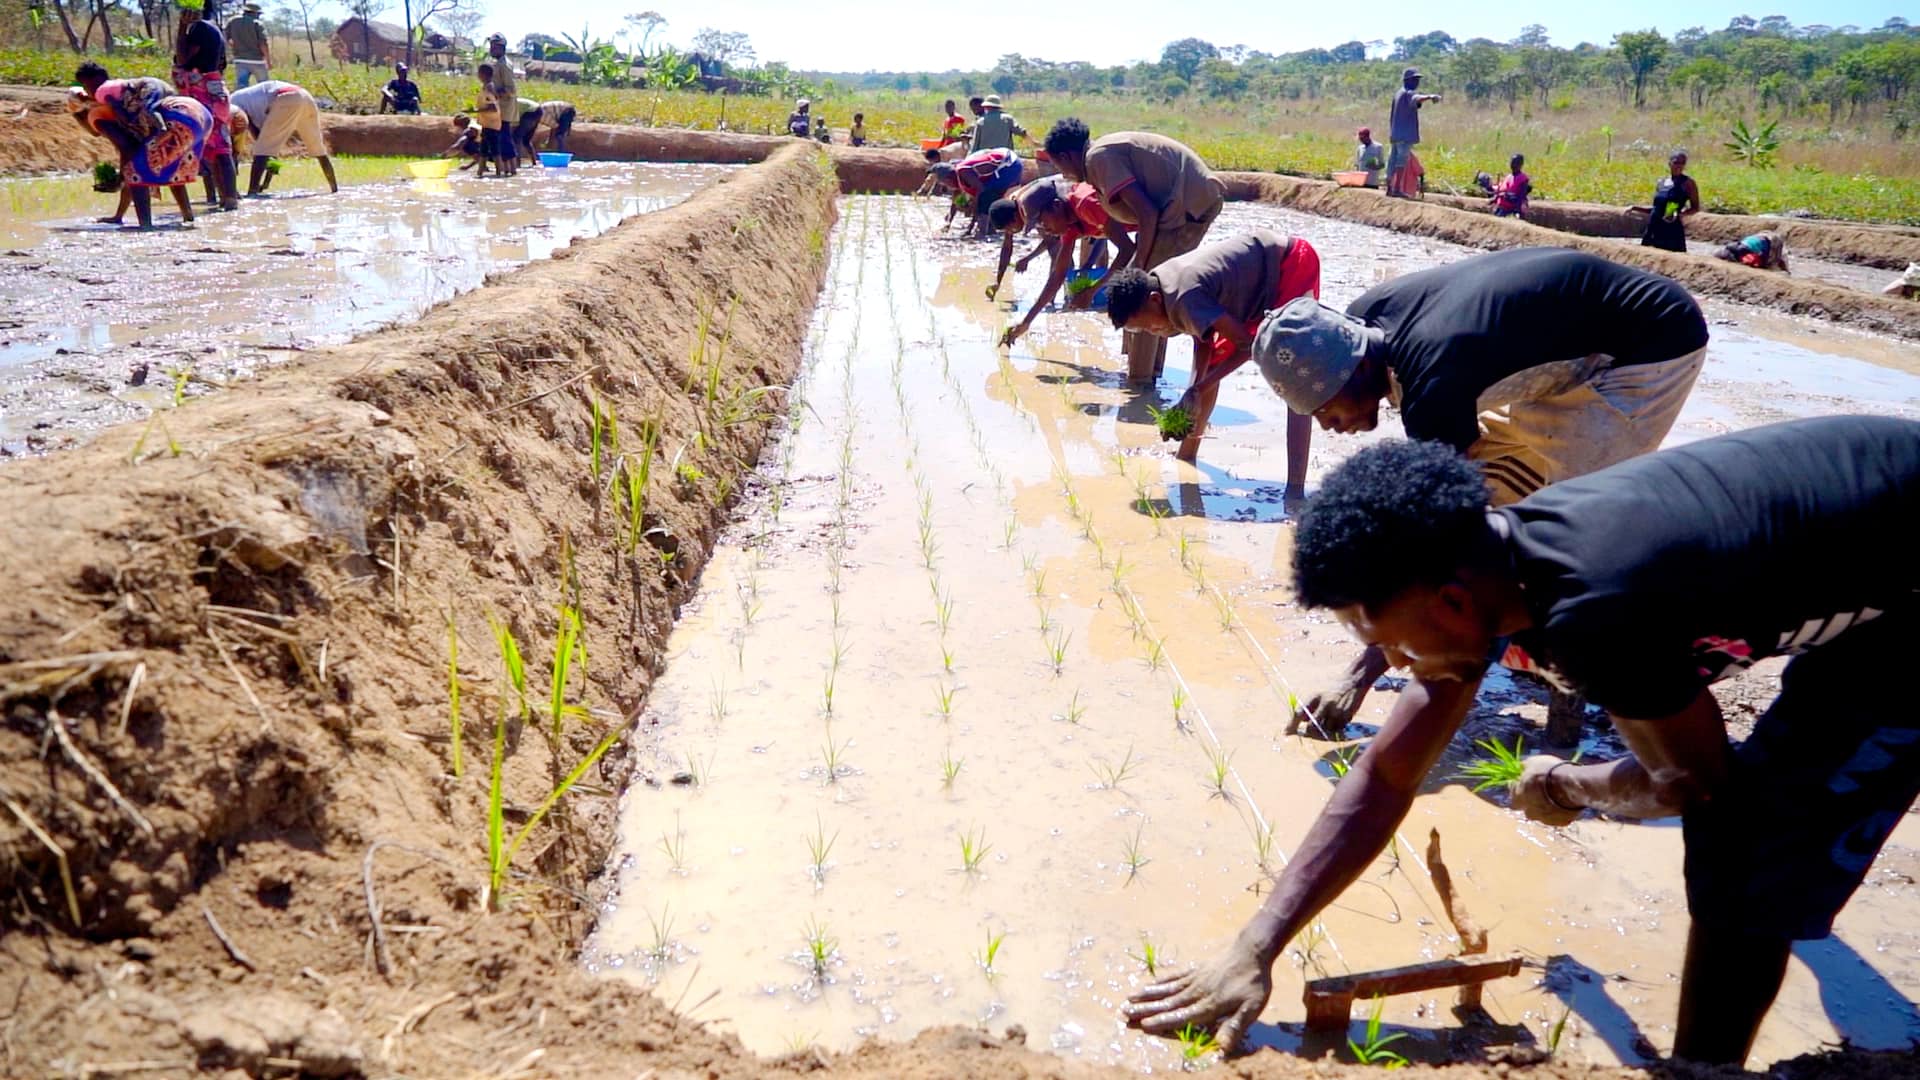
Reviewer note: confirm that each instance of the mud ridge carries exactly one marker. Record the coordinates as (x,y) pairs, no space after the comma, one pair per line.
(1707,277)
(225,669)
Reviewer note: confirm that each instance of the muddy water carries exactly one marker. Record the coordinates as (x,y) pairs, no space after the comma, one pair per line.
(96,321)
(977,604)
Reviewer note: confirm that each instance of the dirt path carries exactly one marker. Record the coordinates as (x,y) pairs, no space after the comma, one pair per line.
(959,568)
(100,320)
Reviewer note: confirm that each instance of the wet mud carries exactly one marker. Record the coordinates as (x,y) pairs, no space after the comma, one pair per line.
(977,604)
(99,324)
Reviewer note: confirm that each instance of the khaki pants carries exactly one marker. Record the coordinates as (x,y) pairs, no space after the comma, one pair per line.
(1147,353)
(290,114)
(1579,418)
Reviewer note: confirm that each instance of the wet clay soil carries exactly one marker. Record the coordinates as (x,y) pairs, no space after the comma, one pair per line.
(974,602)
(96,321)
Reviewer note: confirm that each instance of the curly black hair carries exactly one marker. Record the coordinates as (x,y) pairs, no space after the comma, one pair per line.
(1395,515)
(1002,213)
(1069,136)
(1126,294)
(90,70)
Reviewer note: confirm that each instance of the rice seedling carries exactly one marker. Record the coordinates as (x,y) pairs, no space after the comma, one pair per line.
(798,1043)
(834,756)
(1075,710)
(1186,546)
(1558,1029)
(1119,572)
(1039,581)
(944,694)
(1501,766)
(688,474)
(973,849)
(1219,767)
(820,947)
(1179,708)
(1046,618)
(717,702)
(1008,532)
(1057,649)
(662,928)
(1149,956)
(1223,609)
(819,846)
(943,614)
(1198,572)
(826,691)
(634,482)
(1307,954)
(453,690)
(511,665)
(1133,857)
(1263,848)
(1156,653)
(674,846)
(1109,777)
(1374,1051)
(990,952)
(606,437)
(1342,759)
(569,648)
(950,767)
(500,854)
(700,771)
(1195,1045)
(946,654)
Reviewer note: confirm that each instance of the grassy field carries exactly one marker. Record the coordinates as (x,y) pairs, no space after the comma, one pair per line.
(1575,150)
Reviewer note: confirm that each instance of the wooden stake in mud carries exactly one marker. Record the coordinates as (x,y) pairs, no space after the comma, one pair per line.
(1330,1001)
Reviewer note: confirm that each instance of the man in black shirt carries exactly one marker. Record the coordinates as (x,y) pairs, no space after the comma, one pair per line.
(1638,585)
(402,94)
(1538,363)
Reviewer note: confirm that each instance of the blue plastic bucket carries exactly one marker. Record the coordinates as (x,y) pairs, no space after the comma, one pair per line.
(555,161)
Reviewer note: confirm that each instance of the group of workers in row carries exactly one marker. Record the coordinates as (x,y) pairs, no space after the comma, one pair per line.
(1529,522)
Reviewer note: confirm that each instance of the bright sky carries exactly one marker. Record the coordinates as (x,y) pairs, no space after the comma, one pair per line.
(886,35)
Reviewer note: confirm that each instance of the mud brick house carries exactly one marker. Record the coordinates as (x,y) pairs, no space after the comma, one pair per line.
(369,41)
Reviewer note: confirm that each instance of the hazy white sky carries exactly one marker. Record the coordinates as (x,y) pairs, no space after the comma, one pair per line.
(892,35)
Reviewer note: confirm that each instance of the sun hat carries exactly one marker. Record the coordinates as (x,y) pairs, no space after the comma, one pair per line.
(1307,351)
(251,9)
(1411,73)
(992,101)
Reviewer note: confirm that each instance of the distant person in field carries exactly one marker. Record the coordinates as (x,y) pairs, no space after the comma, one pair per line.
(506,94)
(1762,251)
(1065,213)
(1513,193)
(200,71)
(1403,131)
(1675,199)
(157,134)
(1369,157)
(977,106)
(278,112)
(800,120)
(554,122)
(982,178)
(467,143)
(523,131)
(401,94)
(1906,286)
(1152,183)
(857,134)
(1217,294)
(995,129)
(1537,363)
(248,47)
(822,133)
(1637,586)
(486,110)
(953,128)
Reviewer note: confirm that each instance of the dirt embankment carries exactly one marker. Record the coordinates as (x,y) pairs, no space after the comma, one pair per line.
(1706,277)
(1884,246)
(224,667)
(41,136)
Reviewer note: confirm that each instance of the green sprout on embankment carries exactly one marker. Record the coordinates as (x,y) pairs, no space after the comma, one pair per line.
(569,648)
(1374,1051)
(1173,423)
(1502,766)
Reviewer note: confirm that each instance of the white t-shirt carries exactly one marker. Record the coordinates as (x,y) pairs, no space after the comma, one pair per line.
(256,97)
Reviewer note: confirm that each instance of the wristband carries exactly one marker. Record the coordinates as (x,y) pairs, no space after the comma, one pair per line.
(1552,798)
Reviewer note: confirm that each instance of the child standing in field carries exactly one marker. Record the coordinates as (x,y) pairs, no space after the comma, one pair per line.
(486,110)
(857,134)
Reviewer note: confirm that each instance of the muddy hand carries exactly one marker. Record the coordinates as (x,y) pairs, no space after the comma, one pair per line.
(992,291)
(1326,714)
(1532,798)
(1224,997)
(1012,335)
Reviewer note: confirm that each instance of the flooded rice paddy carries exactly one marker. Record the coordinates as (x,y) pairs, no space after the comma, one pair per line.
(98,323)
(976,718)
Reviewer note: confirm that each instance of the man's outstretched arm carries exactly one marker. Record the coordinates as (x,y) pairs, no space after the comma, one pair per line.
(1676,760)
(1228,993)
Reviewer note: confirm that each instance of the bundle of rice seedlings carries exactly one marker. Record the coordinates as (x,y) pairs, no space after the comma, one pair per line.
(1174,423)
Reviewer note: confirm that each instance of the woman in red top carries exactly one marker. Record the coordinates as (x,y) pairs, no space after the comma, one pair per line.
(1065,213)
(953,128)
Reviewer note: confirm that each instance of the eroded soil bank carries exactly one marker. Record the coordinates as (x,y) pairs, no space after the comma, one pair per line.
(980,605)
(101,322)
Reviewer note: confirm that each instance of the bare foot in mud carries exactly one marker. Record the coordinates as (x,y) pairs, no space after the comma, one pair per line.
(110,221)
